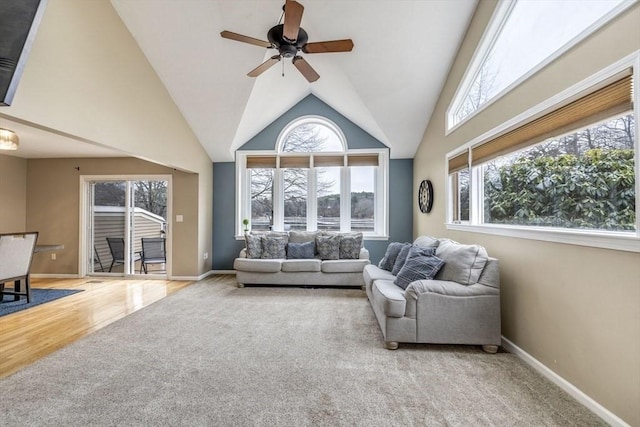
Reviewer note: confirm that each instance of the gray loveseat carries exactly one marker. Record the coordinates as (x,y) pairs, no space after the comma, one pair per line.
(279,268)
(460,305)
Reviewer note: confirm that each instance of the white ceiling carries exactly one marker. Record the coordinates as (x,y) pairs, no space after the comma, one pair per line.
(388,85)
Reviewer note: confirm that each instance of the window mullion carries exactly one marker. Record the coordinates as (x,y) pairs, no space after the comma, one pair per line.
(278,200)
(345,199)
(312,199)
(476,191)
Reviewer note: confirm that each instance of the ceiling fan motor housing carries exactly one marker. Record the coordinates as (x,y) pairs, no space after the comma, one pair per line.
(287,48)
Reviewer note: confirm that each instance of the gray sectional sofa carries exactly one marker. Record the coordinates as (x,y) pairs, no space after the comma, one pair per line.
(460,305)
(282,265)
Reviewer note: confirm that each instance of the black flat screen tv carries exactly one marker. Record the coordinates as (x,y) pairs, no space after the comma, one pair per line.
(19,20)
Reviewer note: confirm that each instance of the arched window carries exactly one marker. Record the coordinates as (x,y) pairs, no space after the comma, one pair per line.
(311,134)
(312,181)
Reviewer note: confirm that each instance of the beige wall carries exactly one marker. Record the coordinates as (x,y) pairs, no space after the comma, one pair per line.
(86,77)
(575,309)
(13,194)
(53,209)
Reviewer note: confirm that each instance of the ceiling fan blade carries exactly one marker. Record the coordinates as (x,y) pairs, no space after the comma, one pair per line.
(329,46)
(292,19)
(244,39)
(264,66)
(306,70)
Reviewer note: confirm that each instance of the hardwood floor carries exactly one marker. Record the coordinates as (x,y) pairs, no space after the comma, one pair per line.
(31,334)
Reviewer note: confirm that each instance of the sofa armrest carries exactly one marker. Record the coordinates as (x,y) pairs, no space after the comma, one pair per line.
(243,253)
(426,288)
(448,288)
(364,253)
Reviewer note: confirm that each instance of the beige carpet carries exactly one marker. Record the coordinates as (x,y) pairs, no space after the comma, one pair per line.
(216,355)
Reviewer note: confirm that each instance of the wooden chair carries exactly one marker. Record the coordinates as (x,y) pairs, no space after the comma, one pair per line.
(153,252)
(16,253)
(116,246)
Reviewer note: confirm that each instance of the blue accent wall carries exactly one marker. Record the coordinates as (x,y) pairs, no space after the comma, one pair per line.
(312,106)
(226,247)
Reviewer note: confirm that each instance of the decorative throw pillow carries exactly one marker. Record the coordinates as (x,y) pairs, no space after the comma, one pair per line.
(301,250)
(401,258)
(418,267)
(254,245)
(350,245)
(328,247)
(273,247)
(390,255)
(463,263)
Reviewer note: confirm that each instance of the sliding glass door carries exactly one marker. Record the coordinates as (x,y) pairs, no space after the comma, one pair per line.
(126,228)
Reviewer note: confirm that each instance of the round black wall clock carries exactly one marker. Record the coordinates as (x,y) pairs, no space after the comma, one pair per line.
(425,196)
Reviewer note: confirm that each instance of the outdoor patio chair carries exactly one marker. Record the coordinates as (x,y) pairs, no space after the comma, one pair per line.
(16,253)
(153,252)
(116,246)
(96,260)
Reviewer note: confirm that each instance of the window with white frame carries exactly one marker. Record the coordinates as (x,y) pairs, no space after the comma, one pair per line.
(568,167)
(522,37)
(312,181)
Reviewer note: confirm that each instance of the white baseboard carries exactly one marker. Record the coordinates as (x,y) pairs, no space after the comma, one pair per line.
(565,385)
(54,276)
(224,272)
(200,277)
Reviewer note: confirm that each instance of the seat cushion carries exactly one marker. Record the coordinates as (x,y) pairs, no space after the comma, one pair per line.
(372,273)
(301,265)
(258,265)
(390,297)
(344,266)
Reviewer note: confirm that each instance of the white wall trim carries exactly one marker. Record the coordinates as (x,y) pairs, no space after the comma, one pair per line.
(605,240)
(565,385)
(194,278)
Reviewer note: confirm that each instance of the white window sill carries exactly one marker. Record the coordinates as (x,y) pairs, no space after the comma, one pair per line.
(629,242)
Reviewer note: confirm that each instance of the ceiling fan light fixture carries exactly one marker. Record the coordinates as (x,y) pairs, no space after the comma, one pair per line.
(8,140)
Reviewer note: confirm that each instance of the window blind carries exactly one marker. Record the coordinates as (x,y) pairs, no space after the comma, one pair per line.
(261,162)
(613,99)
(295,161)
(459,162)
(324,161)
(362,160)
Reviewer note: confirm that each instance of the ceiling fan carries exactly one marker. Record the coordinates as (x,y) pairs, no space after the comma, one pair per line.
(289,39)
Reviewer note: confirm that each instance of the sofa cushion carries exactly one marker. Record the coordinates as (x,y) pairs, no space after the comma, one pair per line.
(427,242)
(305,250)
(253,245)
(273,247)
(296,236)
(344,266)
(418,267)
(257,265)
(372,273)
(390,256)
(350,244)
(328,246)
(463,263)
(311,265)
(390,296)
(401,258)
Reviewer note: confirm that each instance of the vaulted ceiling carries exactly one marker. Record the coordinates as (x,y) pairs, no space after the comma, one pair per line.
(387,85)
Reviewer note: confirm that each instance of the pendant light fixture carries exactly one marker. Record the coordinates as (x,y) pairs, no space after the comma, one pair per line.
(8,140)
